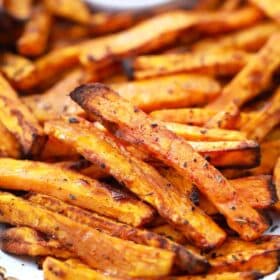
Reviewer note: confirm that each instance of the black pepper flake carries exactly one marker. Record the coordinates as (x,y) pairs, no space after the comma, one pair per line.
(72,197)
(102,165)
(206,165)
(185,164)
(153,125)
(213,255)
(233,208)
(73,120)
(273,228)
(203,131)
(136,110)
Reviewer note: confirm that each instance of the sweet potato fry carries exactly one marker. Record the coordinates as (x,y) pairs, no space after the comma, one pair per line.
(47,66)
(258,191)
(75,10)
(55,101)
(99,250)
(238,154)
(19,9)
(169,92)
(222,21)
(270,151)
(195,133)
(74,188)
(173,150)
(33,41)
(142,179)
(138,39)
(16,117)
(250,39)
(184,260)
(269,7)
(238,255)
(58,270)
(12,64)
(216,62)
(196,116)
(9,147)
(250,82)
(269,117)
(29,242)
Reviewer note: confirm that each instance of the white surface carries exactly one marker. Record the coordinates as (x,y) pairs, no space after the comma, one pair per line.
(24,269)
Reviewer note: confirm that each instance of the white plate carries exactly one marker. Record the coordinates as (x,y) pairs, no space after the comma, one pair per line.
(26,269)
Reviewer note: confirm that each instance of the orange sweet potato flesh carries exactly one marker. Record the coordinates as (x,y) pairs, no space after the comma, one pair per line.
(99,250)
(9,147)
(75,10)
(184,259)
(269,117)
(33,40)
(269,7)
(195,133)
(270,151)
(258,191)
(55,101)
(238,255)
(250,39)
(74,188)
(19,9)
(29,242)
(216,62)
(195,116)
(249,82)
(174,151)
(58,270)
(16,117)
(169,92)
(101,147)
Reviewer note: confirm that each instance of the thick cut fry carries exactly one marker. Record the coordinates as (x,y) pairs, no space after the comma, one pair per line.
(9,147)
(270,7)
(258,191)
(47,66)
(75,10)
(99,250)
(33,41)
(221,21)
(269,117)
(142,179)
(250,82)
(11,65)
(196,116)
(169,92)
(238,255)
(29,242)
(74,188)
(276,175)
(270,151)
(195,133)
(19,9)
(16,117)
(216,62)
(108,106)
(58,270)
(184,260)
(251,39)
(55,101)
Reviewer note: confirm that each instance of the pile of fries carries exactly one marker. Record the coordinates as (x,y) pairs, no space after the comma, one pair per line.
(141,146)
